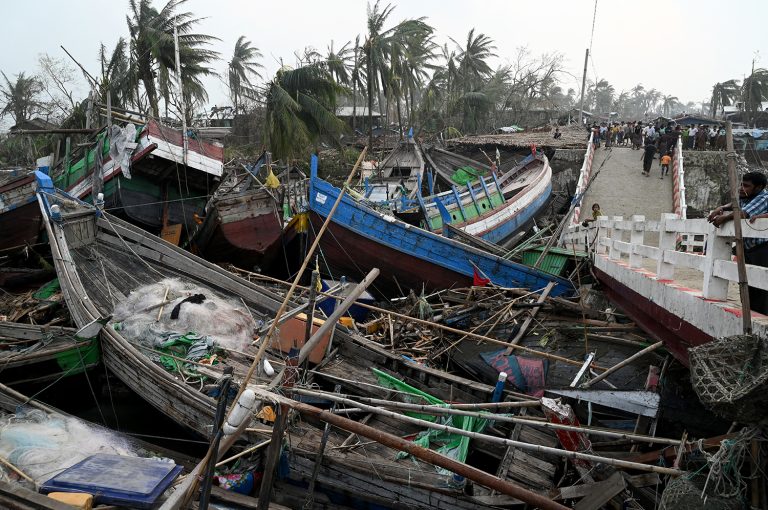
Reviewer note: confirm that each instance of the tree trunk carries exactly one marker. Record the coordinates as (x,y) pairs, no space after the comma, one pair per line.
(354,106)
(399,118)
(370,79)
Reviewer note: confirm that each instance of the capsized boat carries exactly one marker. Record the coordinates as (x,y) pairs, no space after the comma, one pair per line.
(362,237)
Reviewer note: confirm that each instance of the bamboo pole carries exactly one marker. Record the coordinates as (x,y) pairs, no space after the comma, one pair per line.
(746,312)
(441,410)
(425,454)
(244,452)
(265,341)
(16,470)
(621,365)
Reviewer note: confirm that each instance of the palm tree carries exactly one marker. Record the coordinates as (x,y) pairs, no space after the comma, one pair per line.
(117,77)
(300,109)
(472,57)
(667,103)
(21,97)
(242,69)
(723,94)
(754,91)
(378,48)
(152,48)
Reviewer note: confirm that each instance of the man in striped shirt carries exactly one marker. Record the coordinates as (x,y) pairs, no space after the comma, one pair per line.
(753,200)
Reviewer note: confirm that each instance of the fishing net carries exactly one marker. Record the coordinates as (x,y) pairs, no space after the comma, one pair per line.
(683,493)
(43,445)
(729,376)
(718,483)
(190,311)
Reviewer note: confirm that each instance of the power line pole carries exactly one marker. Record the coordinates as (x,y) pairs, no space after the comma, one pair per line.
(583,84)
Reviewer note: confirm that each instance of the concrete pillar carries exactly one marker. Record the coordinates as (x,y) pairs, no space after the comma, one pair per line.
(636,239)
(667,241)
(615,233)
(718,248)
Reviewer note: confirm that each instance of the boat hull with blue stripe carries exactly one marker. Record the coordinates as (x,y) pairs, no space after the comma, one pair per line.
(360,238)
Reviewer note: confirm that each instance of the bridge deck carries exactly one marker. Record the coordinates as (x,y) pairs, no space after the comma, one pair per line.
(622,190)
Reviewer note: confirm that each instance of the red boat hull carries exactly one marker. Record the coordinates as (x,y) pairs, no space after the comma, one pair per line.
(677,334)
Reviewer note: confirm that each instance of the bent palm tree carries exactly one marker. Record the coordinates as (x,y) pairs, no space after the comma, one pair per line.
(301,105)
(722,95)
(754,92)
(242,68)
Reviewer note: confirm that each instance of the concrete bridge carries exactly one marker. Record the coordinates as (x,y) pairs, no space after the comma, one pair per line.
(674,276)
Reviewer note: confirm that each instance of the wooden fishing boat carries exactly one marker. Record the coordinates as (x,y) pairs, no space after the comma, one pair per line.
(244,221)
(399,174)
(408,256)
(100,259)
(446,164)
(494,209)
(34,354)
(147,177)
(20,220)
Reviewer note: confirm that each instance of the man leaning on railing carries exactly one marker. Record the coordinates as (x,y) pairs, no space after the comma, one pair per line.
(753,200)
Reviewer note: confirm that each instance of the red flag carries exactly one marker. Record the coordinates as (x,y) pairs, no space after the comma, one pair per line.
(477,280)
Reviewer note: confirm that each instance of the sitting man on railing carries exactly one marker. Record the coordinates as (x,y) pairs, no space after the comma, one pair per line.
(753,199)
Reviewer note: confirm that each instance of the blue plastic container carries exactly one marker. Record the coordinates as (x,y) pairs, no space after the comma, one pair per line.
(115,480)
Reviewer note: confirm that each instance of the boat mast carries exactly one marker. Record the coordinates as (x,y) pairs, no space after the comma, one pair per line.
(181,96)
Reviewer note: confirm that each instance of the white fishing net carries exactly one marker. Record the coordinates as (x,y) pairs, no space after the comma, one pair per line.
(227,322)
(43,445)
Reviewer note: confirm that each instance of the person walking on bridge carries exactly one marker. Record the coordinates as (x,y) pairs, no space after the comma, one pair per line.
(648,155)
(753,200)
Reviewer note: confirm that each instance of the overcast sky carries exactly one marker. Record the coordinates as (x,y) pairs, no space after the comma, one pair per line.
(680,47)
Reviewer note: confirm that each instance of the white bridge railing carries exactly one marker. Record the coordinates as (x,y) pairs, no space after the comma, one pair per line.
(623,241)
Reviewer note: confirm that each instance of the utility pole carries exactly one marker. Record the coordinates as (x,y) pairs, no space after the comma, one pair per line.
(181,96)
(583,84)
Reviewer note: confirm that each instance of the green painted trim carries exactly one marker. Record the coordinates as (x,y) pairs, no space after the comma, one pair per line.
(77,360)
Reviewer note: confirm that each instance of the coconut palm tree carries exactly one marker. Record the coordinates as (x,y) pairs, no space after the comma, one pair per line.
(242,69)
(667,103)
(152,49)
(117,77)
(754,91)
(473,60)
(723,94)
(300,109)
(21,97)
(379,45)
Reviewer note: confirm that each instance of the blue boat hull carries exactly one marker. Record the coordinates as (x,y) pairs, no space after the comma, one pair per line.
(408,257)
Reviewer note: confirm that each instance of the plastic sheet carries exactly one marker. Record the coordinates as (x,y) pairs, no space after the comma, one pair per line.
(43,445)
(227,322)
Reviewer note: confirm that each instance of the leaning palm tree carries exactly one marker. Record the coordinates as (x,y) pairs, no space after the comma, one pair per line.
(473,60)
(117,78)
(20,97)
(377,51)
(242,69)
(754,91)
(300,110)
(152,49)
(723,94)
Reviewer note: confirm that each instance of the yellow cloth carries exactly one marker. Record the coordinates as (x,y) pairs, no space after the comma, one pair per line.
(75,499)
(272,181)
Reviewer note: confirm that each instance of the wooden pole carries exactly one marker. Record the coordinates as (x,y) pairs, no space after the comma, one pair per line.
(621,365)
(746,312)
(521,332)
(329,323)
(442,410)
(266,339)
(583,85)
